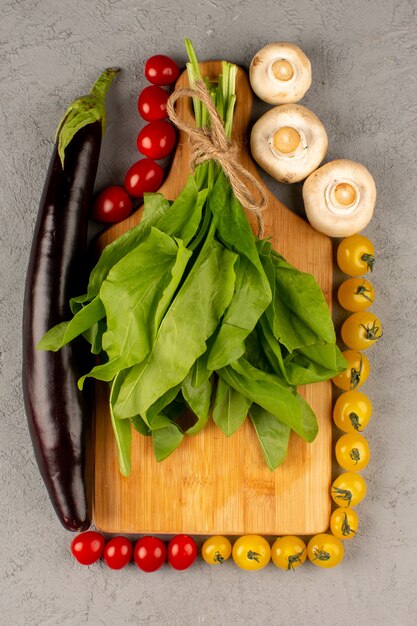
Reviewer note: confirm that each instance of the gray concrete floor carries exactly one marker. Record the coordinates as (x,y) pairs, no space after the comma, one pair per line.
(364,56)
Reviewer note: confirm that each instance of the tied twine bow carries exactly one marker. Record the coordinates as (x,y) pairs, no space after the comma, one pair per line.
(212,143)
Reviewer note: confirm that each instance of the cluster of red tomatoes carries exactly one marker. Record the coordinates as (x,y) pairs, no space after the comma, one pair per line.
(149,553)
(155,141)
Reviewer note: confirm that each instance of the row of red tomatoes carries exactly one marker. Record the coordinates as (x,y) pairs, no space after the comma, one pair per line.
(155,141)
(149,553)
(249,552)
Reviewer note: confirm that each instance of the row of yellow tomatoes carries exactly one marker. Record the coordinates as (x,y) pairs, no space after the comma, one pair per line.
(351,414)
(353,409)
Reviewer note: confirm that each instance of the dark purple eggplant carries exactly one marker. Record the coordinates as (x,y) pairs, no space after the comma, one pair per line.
(58,413)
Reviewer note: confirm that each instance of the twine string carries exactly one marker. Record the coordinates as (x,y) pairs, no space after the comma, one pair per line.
(213,144)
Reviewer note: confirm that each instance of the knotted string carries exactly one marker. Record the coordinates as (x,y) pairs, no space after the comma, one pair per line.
(213,143)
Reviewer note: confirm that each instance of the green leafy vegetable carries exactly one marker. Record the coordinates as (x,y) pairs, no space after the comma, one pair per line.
(190,313)
(273,435)
(230,408)
(180,341)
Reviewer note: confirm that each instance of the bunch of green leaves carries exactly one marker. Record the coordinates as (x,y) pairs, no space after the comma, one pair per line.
(193,315)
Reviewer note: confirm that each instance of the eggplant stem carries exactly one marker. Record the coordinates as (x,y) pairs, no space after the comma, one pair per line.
(85,110)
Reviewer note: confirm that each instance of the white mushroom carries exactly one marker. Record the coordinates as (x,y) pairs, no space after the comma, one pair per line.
(339,198)
(280,73)
(289,142)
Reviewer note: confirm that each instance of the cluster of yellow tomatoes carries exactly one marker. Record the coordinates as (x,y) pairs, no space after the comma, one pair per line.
(351,414)
(253,552)
(352,410)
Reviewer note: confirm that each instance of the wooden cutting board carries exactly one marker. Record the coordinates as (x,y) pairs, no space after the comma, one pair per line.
(213,484)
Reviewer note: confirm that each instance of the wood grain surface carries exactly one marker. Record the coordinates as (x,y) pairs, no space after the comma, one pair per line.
(213,484)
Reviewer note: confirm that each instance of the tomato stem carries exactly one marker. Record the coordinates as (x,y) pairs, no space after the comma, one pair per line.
(218,558)
(354,455)
(355,421)
(321,554)
(355,375)
(343,494)
(371,332)
(347,530)
(294,558)
(369,259)
(360,291)
(253,556)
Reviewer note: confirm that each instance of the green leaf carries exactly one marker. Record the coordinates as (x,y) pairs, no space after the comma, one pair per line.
(252,291)
(198,399)
(247,305)
(303,296)
(232,224)
(181,339)
(161,403)
(184,216)
(290,329)
(230,408)
(140,425)
(155,207)
(122,430)
(273,394)
(166,437)
(136,295)
(296,368)
(63,333)
(94,336)
(309,426)
(273,435)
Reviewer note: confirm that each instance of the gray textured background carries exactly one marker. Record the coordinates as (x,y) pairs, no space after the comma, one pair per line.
(364,60)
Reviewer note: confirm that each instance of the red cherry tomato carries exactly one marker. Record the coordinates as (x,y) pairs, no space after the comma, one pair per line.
(144,176)
(161,70)
(118,552)
(156,139)
(150,554)
(87,547)
(152,103)
(112,205)
(182,552)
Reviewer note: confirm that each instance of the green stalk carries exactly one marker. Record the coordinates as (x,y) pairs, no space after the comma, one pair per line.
(224,98)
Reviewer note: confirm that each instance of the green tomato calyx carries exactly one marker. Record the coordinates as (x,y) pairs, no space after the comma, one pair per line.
(355,421)
(294,558)
(354,455)
(343,494)
(253,556)
(218,558)
(369,259)
(321,554)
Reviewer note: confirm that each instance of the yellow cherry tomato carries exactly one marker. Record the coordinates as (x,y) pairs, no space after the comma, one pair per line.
(361,330)
(288,552)
(352,411)
(352,452)
(356,294)
(216,550)
(325,550)
(251,552)
(344,523)
(356,255)
(348,489)
(355,374)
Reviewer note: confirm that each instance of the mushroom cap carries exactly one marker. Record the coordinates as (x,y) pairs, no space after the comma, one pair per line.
(324,213)
(293,167)
(269,88)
